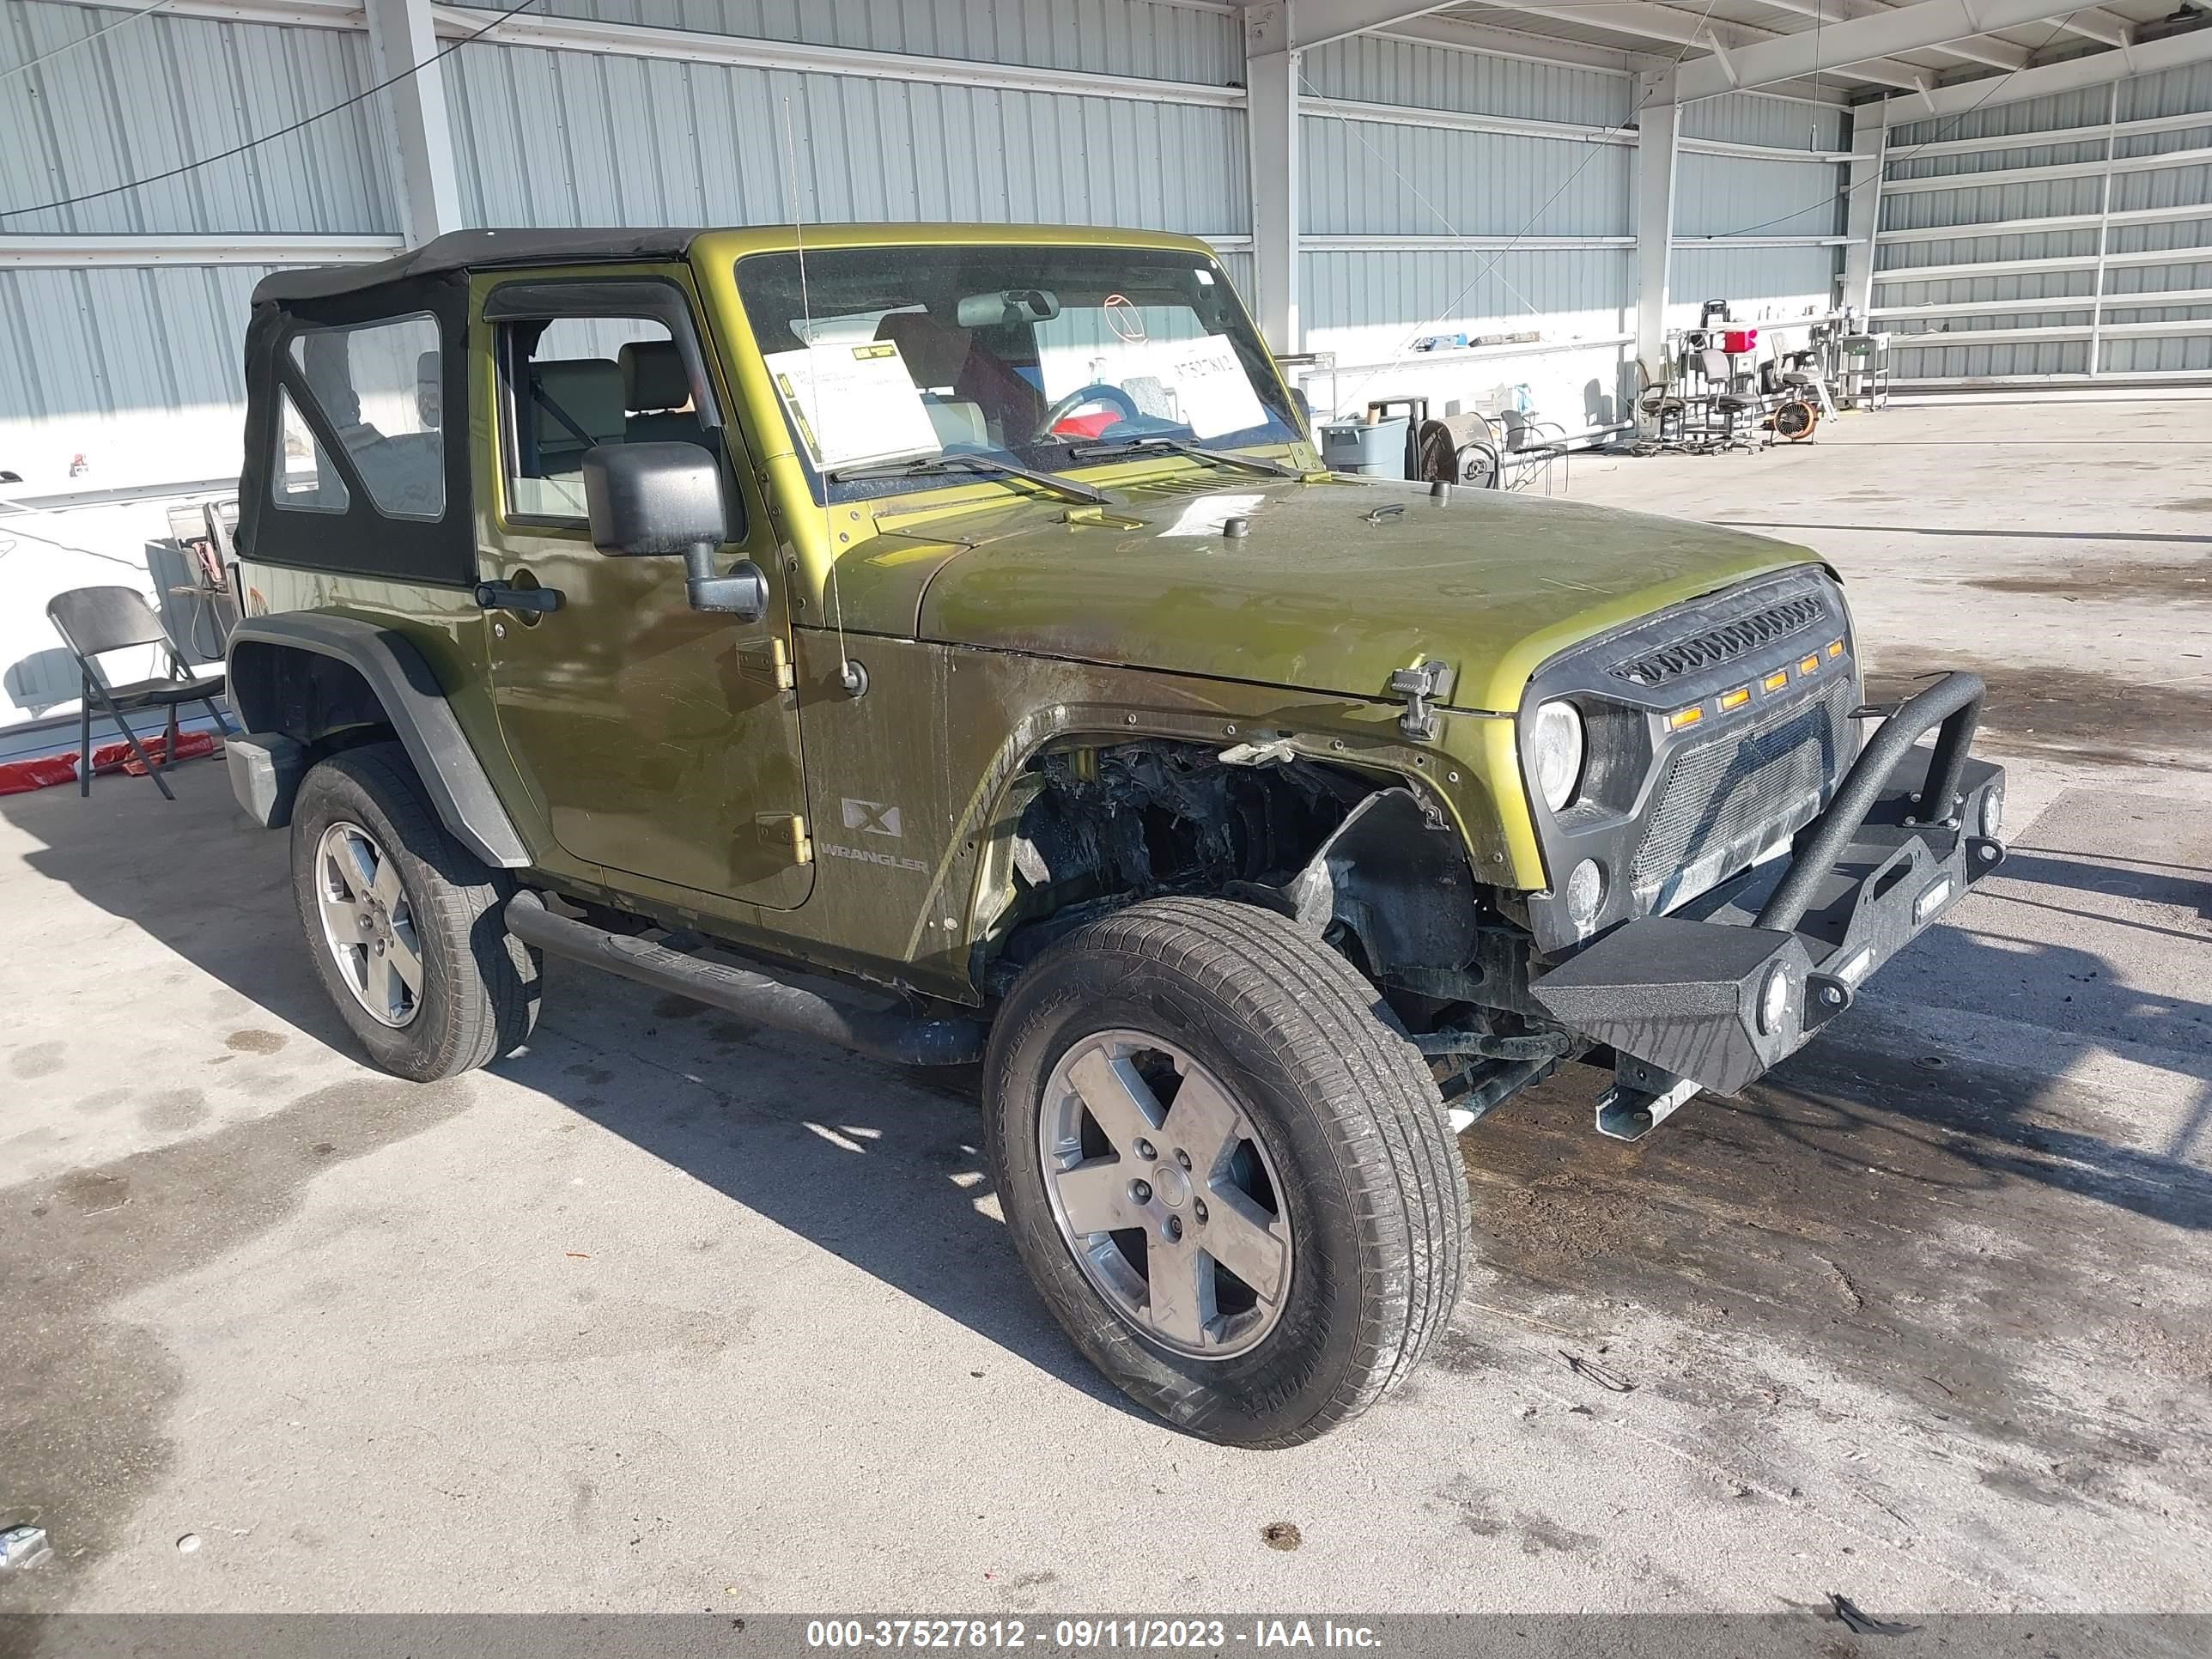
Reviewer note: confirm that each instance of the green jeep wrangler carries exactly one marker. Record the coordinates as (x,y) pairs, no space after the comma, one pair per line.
(962,612)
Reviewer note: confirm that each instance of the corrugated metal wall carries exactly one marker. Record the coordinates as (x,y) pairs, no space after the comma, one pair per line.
(546,137)
(1155,40)
(1758,118)
(1386,179)
(1367,305)
(1368,179)
(136,369)
(1722,195)
(169,90)
(121,341)
(1769,285)
(1742,202)
(2071,317)
(1385,70)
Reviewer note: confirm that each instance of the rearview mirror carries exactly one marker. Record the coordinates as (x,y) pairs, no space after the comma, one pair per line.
(648,500)
(1006,308)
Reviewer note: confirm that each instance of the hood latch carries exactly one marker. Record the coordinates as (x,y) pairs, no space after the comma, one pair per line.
(1417,685)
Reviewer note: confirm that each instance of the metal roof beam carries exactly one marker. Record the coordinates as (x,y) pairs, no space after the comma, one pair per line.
(1997,54)
(2090,23)
(1310,24)
(2039,81)
(1909,29)
(1725,40)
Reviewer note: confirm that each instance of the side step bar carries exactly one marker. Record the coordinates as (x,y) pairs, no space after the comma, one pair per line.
(902,1039)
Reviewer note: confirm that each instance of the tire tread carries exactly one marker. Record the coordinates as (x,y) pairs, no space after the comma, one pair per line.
(1391,1131)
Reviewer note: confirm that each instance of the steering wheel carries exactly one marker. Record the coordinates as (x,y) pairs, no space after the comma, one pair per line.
(1090,394)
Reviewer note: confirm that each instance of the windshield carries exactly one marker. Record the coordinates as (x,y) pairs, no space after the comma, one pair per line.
(888,356)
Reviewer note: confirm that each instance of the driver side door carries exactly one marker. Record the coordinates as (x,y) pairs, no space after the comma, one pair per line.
(662,743)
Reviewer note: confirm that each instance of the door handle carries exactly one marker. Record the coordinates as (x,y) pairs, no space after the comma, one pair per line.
(499,596)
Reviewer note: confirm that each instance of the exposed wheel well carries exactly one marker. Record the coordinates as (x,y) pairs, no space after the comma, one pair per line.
(322,703)
(1094,826)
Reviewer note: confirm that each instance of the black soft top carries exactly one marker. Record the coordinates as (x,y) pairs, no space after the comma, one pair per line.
(474,250)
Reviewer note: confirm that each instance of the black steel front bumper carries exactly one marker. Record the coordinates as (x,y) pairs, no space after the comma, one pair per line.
(1714,994)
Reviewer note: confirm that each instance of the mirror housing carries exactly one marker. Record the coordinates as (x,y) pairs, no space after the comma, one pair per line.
(648,500)
(1006,308)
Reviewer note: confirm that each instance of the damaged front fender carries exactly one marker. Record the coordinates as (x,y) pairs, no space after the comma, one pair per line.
(1398,879)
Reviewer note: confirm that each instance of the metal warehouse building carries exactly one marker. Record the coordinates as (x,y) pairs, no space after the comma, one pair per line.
(2017,191)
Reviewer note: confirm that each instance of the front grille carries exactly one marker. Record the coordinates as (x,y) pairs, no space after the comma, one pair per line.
(1723,644)
(1725,799)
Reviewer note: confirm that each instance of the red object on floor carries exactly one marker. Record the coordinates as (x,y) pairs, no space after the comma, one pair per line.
(20,777)
(1086,426)
(191,746)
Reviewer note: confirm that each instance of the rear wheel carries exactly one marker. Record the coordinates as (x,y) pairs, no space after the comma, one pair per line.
(403,924)
(1234,1184)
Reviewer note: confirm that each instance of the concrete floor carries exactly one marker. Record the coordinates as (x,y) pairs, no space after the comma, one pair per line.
(669,1314)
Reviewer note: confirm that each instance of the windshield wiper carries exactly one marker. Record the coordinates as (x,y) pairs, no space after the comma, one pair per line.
(984,464)
(1180,446)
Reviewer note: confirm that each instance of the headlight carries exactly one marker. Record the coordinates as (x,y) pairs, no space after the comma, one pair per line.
(1993,811)
(1555,753)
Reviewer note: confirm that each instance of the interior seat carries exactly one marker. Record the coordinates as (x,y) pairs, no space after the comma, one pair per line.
(588,392)
(936,356)
(657,396)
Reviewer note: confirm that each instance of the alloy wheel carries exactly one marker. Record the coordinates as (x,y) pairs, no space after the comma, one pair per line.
(369,924)
(1165,1194)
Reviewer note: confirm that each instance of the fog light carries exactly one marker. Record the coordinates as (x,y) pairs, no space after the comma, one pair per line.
(1931,900)
(1993,811)
(1585,894)
(1774,999)
(1856,969)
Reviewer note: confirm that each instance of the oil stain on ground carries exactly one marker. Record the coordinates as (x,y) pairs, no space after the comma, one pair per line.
(2183,580)
(1959,1244)
(85,1398)
(2065,711)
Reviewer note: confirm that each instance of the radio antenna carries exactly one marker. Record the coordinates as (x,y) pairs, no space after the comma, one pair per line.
(850,674)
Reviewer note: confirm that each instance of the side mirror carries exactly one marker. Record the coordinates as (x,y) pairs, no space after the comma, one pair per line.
(648,500)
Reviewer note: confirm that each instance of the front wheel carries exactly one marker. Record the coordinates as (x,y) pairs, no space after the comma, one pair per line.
(1234,1185)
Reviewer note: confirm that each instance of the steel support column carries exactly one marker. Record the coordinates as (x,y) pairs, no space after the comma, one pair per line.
(1271,78)
(401,33)
(1863,208)
(1658,123)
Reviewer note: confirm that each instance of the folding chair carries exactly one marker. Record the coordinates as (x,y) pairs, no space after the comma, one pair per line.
(94,619)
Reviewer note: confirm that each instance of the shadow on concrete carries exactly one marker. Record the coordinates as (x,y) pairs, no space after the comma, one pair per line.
(881,1167)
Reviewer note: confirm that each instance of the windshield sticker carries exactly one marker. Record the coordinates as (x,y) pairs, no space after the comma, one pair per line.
(1125,320)
(1211,389)
(1204,515)
(854,402)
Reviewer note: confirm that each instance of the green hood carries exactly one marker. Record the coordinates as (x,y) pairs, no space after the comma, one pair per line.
(1317,596)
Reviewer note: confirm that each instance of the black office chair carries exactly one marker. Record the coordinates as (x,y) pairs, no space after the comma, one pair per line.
(94,619)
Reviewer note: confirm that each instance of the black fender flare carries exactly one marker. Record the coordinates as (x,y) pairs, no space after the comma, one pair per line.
(412,700)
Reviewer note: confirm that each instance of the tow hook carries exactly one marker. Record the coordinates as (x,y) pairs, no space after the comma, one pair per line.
(1641,1099)
(1417,685)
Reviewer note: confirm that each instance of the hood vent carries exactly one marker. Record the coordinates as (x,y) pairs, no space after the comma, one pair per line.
(1723,644)
(1202,484)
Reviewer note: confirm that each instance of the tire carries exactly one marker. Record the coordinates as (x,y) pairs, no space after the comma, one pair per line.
(436,904)
(1370,1201)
